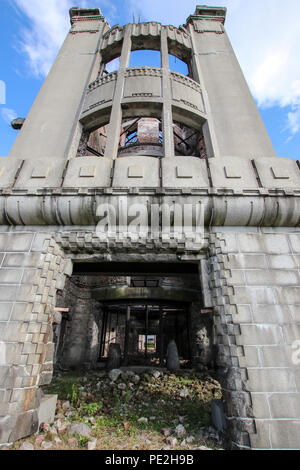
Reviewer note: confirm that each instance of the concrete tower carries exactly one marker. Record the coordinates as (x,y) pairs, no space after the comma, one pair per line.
(201,218)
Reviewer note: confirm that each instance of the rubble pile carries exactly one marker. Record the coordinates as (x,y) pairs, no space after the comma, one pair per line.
(123,409)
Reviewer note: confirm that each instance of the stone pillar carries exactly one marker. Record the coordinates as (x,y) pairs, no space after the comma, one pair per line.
(114,128)
(256,292)
(167,118)
(51,125)
(32,268)
(234,119)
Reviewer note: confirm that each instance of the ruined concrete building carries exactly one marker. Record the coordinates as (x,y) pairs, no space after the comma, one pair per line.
(143,205)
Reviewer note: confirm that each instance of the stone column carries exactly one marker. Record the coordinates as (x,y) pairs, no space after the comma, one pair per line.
(114,128)
(255,286)
(167,119)
(32,268)
(235,122)
(51,125)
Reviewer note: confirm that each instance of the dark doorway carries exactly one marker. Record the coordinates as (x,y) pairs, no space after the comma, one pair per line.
(144,329)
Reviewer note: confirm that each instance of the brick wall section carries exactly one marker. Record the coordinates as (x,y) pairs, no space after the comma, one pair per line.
(256,282)
(32,268)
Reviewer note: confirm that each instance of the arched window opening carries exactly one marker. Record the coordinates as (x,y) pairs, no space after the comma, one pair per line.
(179,66)
(141,136)
(92,144)
(188,141)
(145,58)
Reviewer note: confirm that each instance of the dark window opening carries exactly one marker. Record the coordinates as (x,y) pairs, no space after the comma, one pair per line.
(141,136)
(93,144)
(188,141)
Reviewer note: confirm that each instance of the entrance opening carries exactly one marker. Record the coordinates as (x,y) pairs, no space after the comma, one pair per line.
(139,307)
(144,329)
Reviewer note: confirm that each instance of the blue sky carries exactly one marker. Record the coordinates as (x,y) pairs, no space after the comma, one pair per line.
(265,35)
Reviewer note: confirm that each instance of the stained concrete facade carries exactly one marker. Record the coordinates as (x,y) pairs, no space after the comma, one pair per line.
(248,252)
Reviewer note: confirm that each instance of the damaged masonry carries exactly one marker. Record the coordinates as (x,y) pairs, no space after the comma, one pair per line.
(213,284)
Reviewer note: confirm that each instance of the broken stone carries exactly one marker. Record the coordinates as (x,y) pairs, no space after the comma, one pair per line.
(66,405)
(73,442)
(44,427)
(171,441)
(80,429)
(184,393)
(180,431)
(143,420)
(166,432)
(27,446)
(114,374)
(39,440)
(122,386)
(92,444)
(61,426)
(46,445)
(156,373)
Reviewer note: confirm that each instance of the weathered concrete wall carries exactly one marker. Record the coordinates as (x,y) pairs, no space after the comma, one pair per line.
(256,291)
(32,267)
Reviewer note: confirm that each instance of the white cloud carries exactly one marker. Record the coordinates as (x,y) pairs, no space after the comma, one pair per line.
(8,115)
(48,23)
(265,36)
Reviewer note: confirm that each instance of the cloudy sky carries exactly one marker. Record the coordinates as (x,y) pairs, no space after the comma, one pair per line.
(265,35)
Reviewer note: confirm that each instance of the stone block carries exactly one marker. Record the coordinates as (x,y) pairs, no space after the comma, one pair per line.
(8,170)
(284,434)
(288,295)
(47,408)
(253,295)
(46,173)
(15,241)
(291,333)
(283,262)
(295,242)
(271,243)
(24,260)
(270,380)
(260,277)
(259,334)
(10,276)
(250,357)
(276,356)
(88,172)
(271,314)
(21,312)
(232,173)
(26,424)
(261,440)
(277,173)
(150,167)
(5,312)
(242,261)
(182,172)
(285,405)
(295,312)
(260,406)
(243,315)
